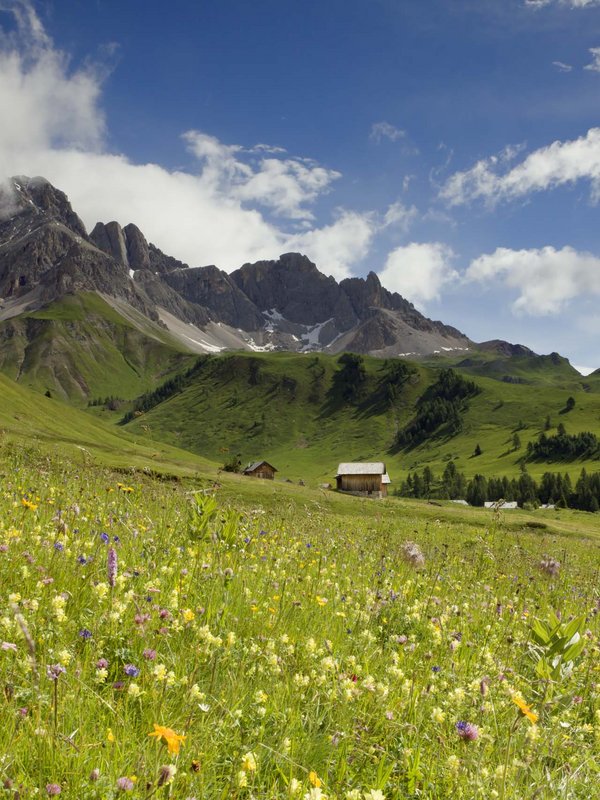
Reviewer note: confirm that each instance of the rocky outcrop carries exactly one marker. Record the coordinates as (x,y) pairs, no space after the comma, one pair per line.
(281,304)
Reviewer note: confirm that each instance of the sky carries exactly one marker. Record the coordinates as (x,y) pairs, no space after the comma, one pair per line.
(450,146)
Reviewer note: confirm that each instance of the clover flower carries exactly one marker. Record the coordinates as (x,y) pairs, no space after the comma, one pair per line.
(467,731)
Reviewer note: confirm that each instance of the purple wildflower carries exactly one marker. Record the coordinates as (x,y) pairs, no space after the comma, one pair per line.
(131,670)
(82,560)
(102,663)
(60,547)
(149,654)
(467,731)
(54,671)
(112,566)
(53,789)
(125,784)
(105,537)
(85,633)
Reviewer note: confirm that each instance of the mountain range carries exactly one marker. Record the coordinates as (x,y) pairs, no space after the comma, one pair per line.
(46,254)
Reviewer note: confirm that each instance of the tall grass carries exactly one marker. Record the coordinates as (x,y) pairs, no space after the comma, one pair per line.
(294,652)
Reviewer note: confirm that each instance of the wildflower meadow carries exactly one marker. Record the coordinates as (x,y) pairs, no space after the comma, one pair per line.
(160,639)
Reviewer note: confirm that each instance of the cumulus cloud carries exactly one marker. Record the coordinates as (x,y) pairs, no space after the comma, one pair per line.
(419,271)
(562,67)
(548,167)
(545,279)
(594,65)
(242,203)
(347,240)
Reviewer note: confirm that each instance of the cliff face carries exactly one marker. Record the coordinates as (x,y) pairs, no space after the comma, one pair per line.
(283,304)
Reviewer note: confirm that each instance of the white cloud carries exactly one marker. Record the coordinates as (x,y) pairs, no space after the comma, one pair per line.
(584,370)
(334,247)
(419,271)
(545,279)
(562,67)
(384,130)
(555,165)
(399,216)
(569,3)
(53,125)
(594,66)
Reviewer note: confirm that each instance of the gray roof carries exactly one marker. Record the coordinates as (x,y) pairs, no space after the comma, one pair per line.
(361,468)
(256,465)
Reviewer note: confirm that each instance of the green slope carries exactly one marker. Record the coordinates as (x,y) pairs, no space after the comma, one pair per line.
(81,348)
(28,418)
(290,409)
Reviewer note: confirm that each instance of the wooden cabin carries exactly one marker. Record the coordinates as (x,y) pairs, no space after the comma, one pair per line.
(260,469)
(368,479)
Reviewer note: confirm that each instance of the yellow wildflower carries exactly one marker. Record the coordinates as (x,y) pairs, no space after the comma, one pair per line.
(172,739)
(525,709)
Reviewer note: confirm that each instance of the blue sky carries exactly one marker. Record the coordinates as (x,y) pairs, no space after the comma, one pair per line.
(449,145)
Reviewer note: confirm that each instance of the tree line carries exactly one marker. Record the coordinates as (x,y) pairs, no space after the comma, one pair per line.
(439,409)
(554,488)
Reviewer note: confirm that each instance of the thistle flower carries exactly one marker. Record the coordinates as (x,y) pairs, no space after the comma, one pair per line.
(53,789)
(550,566)
(467,731)
(166,774)
(412,554)
(111,563)
(125,784)
(54,671)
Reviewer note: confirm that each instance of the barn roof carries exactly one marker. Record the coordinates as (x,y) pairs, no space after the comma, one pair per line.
(361,468)
(256,464)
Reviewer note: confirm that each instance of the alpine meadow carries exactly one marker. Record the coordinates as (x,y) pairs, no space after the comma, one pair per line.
(299,400)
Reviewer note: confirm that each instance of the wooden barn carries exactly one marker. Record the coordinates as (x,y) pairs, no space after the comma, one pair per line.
(369,479)
(260,469)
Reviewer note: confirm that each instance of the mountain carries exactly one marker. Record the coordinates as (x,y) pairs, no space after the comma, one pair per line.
(284,304)
(50,267)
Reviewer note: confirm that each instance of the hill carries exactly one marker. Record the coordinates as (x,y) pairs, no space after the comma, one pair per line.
(307,413)
(31,420)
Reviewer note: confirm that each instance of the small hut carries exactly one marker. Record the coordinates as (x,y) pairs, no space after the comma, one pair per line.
(369,479)
(260,469)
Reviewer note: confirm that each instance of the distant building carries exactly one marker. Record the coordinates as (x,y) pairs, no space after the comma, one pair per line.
(260,469)
(503,505)
(369,479)
(460,502)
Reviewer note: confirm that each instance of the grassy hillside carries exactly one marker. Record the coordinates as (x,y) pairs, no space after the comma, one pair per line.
(298,412)
(29,419)
(81,348)
(278,642)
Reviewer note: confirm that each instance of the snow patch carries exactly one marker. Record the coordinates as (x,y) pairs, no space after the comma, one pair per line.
(210,348)
(311,338)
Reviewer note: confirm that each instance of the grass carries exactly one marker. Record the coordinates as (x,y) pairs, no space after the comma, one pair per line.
(292,638)
(32,420)
(81,348)
(288,409)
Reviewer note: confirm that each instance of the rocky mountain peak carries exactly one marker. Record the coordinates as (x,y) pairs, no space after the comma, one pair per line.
(37,197)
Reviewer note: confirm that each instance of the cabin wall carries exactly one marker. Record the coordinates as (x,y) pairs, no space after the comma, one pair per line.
(362,484)
(263,472)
